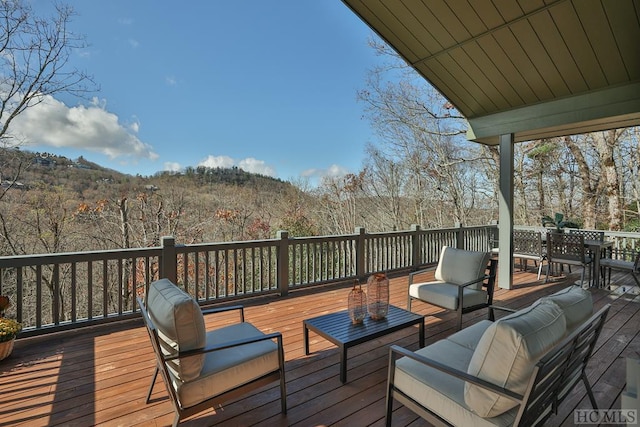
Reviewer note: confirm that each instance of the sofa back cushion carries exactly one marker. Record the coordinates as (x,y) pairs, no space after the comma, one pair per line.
(180,326)
(458,266)
(507,353)
(575,302)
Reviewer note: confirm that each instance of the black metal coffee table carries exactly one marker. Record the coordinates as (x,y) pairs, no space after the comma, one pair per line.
(338,329)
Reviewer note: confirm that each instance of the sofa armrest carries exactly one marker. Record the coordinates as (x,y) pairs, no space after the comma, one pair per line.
(507,309)
(397,351)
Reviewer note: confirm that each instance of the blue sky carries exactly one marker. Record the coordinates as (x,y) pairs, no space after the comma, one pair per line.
(268,85)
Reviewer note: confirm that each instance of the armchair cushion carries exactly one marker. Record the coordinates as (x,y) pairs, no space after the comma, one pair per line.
(225,369)
(507,352)
(575,302)
(445,294)
(459,266)
(180,325)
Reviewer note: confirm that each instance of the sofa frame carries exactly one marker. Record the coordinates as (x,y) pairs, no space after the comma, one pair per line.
(553,377)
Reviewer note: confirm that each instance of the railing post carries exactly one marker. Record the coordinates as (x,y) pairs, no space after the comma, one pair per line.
(282,276)
(168,268)
(416,259)
(360,261)
(459,236)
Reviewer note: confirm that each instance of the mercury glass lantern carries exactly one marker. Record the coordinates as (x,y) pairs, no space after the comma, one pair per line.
(357,303)
(378,296)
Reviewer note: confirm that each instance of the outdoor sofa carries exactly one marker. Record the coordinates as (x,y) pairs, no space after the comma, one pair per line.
(514,371)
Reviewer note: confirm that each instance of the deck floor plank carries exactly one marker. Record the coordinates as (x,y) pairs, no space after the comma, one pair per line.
(100,375)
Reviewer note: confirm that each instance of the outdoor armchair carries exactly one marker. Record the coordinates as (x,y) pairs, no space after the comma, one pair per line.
(463,282)
(205,368)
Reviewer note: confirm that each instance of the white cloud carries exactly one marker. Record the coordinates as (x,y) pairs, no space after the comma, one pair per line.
(172,167)
(92,128)
(249,164)
(125,21)
(256,166)
(171,81)
(334,171)
(134,43)
(217,162)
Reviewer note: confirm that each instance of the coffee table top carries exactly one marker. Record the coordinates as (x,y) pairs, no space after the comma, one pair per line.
(338,328)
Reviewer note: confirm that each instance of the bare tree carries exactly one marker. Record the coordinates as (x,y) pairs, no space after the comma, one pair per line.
(605,142)
(34,61)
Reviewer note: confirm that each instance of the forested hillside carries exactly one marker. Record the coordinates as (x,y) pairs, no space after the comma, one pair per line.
(51,203)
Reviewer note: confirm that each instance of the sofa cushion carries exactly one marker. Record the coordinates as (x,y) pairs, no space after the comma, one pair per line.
(576,304)
(460,266)
(226,369)
(507,352)
(443,393)
(180,326)
(470,336)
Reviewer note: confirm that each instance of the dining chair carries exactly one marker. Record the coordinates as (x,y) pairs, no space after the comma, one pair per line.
(632,267)
(598,236)
(569,249)
(527,245)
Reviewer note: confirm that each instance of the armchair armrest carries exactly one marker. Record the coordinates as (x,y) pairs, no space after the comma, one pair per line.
(473,282)
(421,271)
(395,350)
(215,310)
(229,344)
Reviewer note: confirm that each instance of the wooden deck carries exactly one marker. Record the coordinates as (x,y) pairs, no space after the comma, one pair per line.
(100,376)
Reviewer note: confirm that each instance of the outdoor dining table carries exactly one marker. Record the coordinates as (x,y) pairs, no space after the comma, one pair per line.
(597,247)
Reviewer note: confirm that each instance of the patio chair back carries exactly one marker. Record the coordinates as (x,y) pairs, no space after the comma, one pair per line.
(527,243)
(589,234)
(566,248)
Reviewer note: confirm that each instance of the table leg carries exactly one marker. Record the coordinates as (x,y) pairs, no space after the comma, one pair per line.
(343,364)
(421,333)
(595,275)
(306,338)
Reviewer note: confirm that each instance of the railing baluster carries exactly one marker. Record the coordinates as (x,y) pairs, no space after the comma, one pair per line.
(38,296)
(74,295)
(105,287)
(120,286)
(55,300)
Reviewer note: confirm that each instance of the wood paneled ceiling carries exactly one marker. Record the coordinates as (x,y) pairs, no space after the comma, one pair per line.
(533,68)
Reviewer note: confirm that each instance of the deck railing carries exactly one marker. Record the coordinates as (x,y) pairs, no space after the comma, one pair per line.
(54,292)
(60,291)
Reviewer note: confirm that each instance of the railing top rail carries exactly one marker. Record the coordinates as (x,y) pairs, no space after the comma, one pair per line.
(225,245)
(65,257)
(325,238)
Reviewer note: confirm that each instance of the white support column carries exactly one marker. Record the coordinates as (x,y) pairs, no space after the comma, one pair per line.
(505,216)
